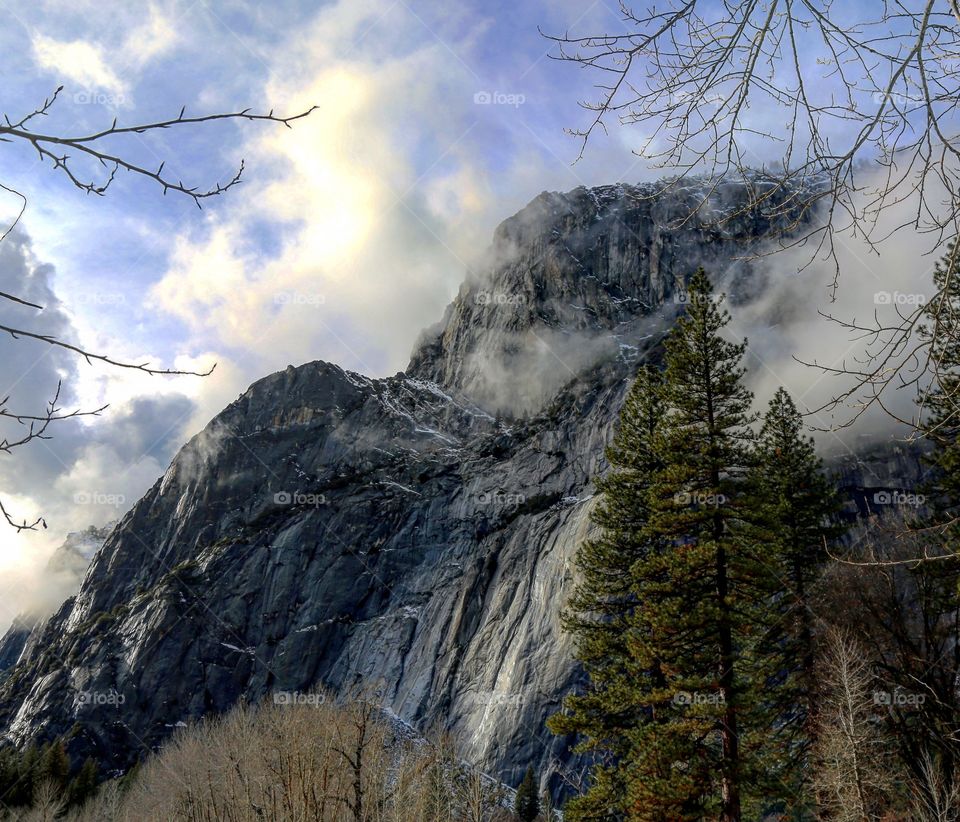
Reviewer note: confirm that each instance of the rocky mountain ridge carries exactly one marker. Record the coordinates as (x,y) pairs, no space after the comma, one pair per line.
(411,536)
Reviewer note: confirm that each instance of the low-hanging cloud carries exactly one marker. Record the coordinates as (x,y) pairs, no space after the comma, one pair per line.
(782,319)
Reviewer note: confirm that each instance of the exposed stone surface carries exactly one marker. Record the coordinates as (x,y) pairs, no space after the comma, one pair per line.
(11,646)
(392,534)
(572,278)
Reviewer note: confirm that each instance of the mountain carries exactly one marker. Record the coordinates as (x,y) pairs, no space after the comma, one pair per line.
(410,536)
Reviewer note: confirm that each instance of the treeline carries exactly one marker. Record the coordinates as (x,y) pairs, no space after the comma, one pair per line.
(317,759)
(44,774)
(735,671)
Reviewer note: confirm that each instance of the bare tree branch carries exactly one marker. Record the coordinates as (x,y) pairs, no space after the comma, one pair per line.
(48,146)
(89,356)
(61,149)
(35,429)
(867,116)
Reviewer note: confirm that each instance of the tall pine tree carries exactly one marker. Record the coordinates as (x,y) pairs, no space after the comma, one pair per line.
(599,612)
(793,513)
(55,764)
(677,611)
(84,784)
(704,600)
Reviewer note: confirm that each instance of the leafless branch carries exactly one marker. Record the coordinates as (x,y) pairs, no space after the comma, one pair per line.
(61,149)
(866,116)
(90,357)
(35,428)
(55,147)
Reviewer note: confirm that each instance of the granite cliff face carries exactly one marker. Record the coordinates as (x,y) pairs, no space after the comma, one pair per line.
(575,279)
(411,536)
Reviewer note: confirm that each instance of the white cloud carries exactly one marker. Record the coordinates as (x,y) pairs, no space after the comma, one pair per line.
(91,470)
(78,61)
(152,39)
(386,200)
(107,68)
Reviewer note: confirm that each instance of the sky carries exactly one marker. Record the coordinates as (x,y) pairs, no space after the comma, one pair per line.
(350,233)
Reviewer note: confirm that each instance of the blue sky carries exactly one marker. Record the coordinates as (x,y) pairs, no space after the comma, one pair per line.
(143,61)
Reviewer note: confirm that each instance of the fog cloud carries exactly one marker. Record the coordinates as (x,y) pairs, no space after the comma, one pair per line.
(93,468)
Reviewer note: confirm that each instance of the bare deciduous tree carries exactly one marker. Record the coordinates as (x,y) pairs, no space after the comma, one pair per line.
(48,804)
(853,775)
(478,796)
(316,759)
(895,595)
(935,798)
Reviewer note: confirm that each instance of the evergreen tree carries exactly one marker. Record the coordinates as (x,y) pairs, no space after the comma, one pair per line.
(29,776)
(527,802)
(9,775)
(55,764)
(792,506)
(704,599)
(599,611)
(84,784)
